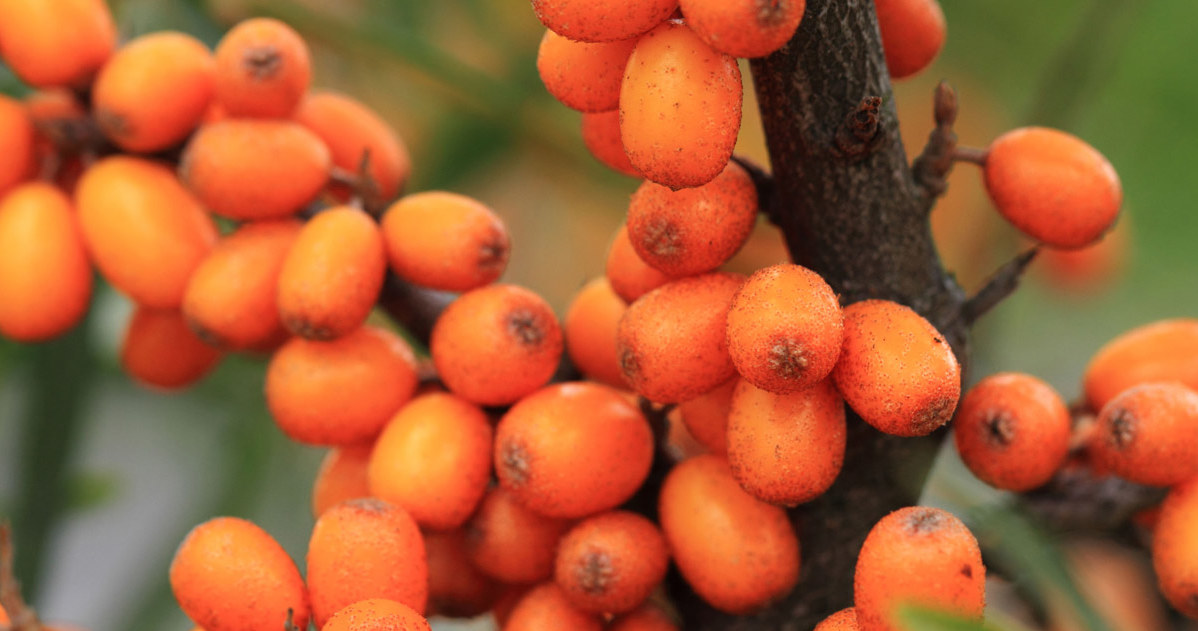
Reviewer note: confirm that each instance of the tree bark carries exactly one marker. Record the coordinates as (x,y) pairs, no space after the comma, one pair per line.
(851,209)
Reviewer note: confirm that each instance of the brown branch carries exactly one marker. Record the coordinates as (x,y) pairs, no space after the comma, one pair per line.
(1000,285)
(764,183)
(972,155)
(21,616)
(416,309)
(933,165)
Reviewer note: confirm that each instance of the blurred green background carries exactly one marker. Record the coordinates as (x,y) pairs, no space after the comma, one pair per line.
(103,478)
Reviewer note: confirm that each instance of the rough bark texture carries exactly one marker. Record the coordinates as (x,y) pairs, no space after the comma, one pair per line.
(851,209)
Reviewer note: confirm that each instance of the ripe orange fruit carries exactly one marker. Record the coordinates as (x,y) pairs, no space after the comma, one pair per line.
(510,542)
(160,350)
(648,617)
(611,562)
(583,76)
(1166,350)
(546,607)
(456,589)
(445,241)
(706,416)
(342,476)
(376,614)
(744,28)
(1175,548)
(913,32)
(602,20)
(601,135)
(351,131)
(18,137)
(590,328)
(1149,434)
(262,69)
(843,620)
(59,43)
(630,276)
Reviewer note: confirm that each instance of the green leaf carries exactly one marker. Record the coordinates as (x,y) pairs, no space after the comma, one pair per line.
(918,618)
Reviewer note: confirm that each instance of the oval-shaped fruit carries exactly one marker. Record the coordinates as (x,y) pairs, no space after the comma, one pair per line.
(445,241)
(376,614)
(352,132)
(17,137)
(263,69)
(602,20)
(913,32)
(160,350)
(744,28)
(510,542)
(1166,350)
(60,43)
(581,75)
(1149,434)
(611,562)
(1175,548)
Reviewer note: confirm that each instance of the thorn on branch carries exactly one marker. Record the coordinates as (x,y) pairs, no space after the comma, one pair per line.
(362,185)
(1000,285)
(765,186)
(859,135)
(933,165)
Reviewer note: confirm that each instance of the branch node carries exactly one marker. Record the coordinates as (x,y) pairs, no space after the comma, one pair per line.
(858,136)
(1000,285)
(933,165)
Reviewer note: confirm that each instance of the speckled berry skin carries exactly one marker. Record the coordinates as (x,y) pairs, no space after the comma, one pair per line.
(611,562)
(1175,548)
(1165,350)
(1149,434)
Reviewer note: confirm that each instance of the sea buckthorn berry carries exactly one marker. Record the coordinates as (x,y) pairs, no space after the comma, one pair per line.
(582,75)
(433,459)
(785,328)
(229,575)
(602,20)
(630,276)
(510,542)
(896,370)
(611,562)
(59,43)
(17,137)
(696,230)
(352,132)
(342,476)
(1052,186)
(648,617)
(737,552)
(546,607)
(332,275)
(1166,350)
(744,28)
(340,392)
(1012,431)
(786,448)
(843,620)
(445,241)
(706,416)
(913,32)
(1175,548)
(255,169)
(456,589)
(601,135)
(153,91)
(144,230)
(1149,434)
(376,614)
(365,548)
(921,556)
(680,107)
(496,344)
(507,601)
(231,299)
(160,350)
(45,277)
(262,69)
(590,328)
(671,341)
(573,449)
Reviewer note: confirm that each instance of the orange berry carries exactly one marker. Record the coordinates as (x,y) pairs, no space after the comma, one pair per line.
(510,542)
(706,416)
(496,344)
(1012,431)
(590,329)
(456,589)
(546,607)
(611,562)
(365,548)
(230,300)
(583,76)
(913,32)
(507,601)
(376,614)
(1175,548)
(601,135)
(922,556)
(630,276)
(342,476)
(445,241)
(1149,434)
(160,350)
(340,392)
(648,617)
(332,275)
(539,441)
(262,69)
(672,136)
(843,620)
(153,91)
(229,574)
(785,328)
(1166,350)
(737,552)
(145,232)
(60,43)
(744,28)
(17,137)
(896,370)
(255,169)
(1053,186)
(3,616)
(1088,269)
(45,277)
(433,459)
(602,20)
(786,448)
(695,230)
(351,131)
(671,341)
